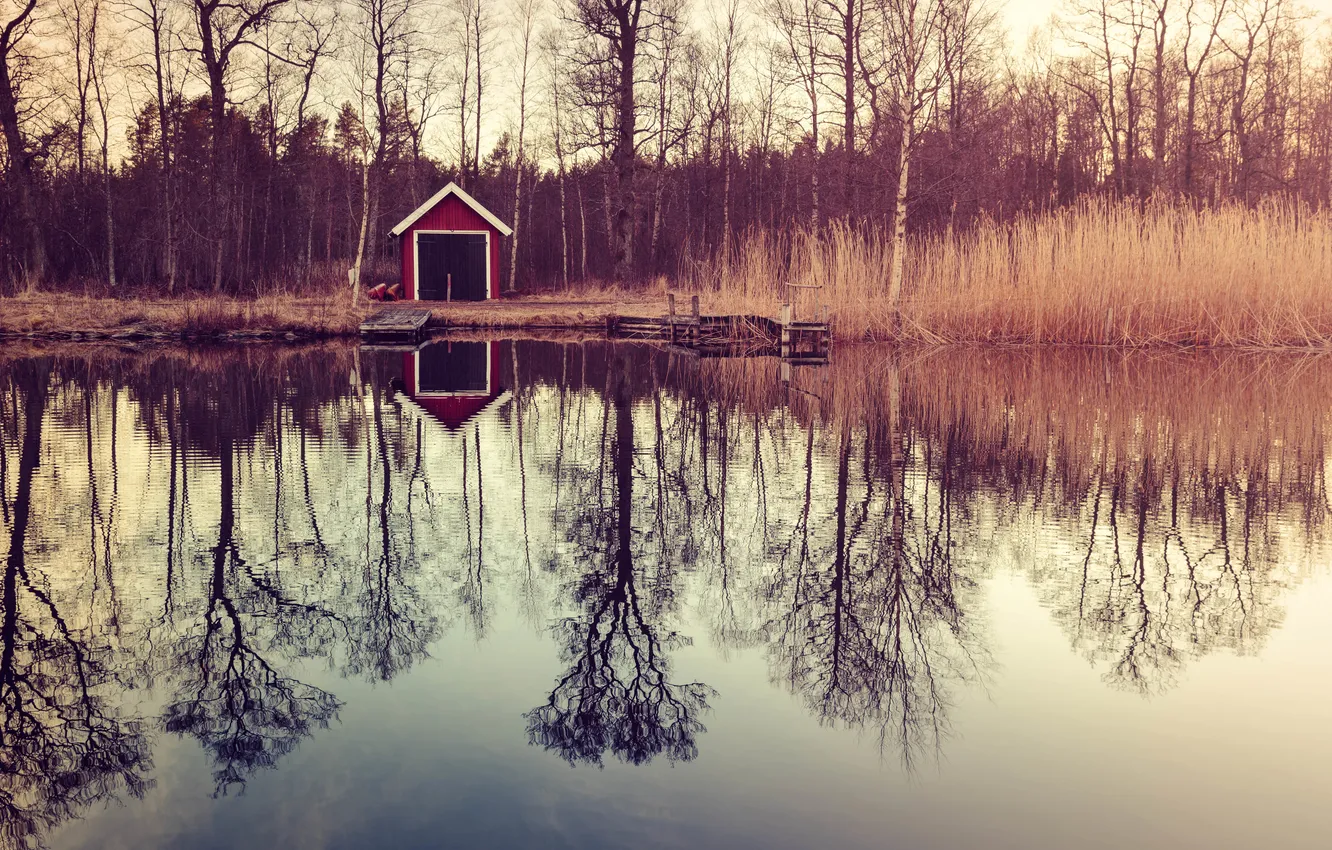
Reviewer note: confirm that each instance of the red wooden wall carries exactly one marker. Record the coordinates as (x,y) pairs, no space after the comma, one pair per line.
(449,214)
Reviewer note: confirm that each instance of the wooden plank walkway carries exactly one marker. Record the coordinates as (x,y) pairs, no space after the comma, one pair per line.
(729,336)
(401,325)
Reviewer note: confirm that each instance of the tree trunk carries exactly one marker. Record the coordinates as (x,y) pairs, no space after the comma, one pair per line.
(625,130)
(355,276)
(1190,133)
(20,175)
(900,207)
(582,232)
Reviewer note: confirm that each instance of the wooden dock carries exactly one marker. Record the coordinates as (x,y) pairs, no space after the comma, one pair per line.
(391,326)
(800,342)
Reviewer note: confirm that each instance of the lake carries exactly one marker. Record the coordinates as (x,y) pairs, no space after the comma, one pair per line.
(592,595)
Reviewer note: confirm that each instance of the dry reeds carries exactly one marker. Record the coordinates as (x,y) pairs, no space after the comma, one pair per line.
(1100,273)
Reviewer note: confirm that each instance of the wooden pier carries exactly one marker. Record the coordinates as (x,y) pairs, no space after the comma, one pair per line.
(798,342)
(395,326)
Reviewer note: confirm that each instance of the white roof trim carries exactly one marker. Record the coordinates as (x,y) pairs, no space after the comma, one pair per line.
(456,190)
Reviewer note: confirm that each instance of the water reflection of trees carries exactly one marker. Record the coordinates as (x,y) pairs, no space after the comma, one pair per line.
(1162,502)
(230,694)
(62,741)
(617,696)
(291,511)
(871,622)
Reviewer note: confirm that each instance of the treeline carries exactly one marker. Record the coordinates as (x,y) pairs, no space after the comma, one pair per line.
(269,145)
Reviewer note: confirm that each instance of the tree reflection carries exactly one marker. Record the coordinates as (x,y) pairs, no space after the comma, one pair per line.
(617,696)
(840,529)
(230,698)
(873,633)
(62,746)
(394,625)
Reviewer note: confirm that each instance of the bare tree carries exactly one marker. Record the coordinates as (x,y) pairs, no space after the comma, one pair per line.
(801,30)
(1197,16)
(526,23)
(155,16)
(620,27)
(732,43)
(17,28)
(99,60)
(552,45)
(384,30)
(223,28)
(1257,20)
(422,93)
(669,135)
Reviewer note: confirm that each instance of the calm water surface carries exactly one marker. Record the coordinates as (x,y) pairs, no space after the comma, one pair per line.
(499,594)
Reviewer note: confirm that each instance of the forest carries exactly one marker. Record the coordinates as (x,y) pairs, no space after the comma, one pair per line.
(267,146)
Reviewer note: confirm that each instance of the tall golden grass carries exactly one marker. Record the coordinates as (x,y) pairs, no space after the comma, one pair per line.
(1100,273)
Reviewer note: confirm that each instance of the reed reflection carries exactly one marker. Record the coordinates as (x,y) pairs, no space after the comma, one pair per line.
(215,527)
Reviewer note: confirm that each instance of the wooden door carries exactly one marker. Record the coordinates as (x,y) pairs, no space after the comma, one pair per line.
(452,266)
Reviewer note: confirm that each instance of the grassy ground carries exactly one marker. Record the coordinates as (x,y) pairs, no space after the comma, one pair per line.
(60,316)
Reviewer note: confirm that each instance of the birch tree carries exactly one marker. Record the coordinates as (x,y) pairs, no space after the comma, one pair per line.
(526,22)
(906,36)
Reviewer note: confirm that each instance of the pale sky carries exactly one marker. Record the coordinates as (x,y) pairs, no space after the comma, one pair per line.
(1022,16)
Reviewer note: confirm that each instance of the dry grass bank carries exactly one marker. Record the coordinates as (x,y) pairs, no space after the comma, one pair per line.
(1101,274)
(1098,274)
(65,316)
(75,316)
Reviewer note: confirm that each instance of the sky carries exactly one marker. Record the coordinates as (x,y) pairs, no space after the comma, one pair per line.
(1024,15)
(1021,16)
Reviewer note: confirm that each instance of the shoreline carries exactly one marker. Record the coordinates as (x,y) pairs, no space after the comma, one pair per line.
(70,318)
(59,317)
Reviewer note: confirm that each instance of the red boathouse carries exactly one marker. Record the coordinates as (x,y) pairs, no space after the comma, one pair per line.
(450,249)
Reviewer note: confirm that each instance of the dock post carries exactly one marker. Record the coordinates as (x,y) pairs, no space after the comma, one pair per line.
(693,305)
(670,305)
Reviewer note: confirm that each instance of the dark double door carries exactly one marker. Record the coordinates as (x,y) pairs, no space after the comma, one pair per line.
(451,266)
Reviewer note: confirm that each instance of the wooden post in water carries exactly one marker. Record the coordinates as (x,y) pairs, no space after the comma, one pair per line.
(448,287)
(697,329)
